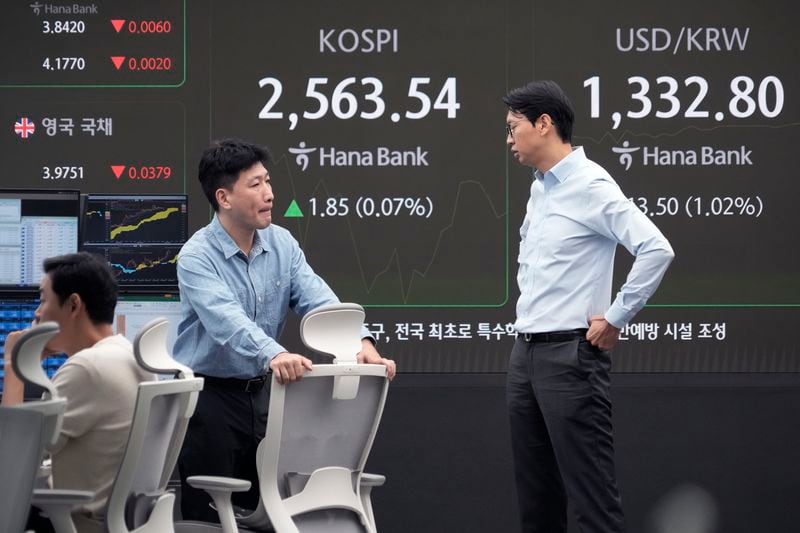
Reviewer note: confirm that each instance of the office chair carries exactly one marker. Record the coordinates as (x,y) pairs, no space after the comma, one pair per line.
(26,361)
(21,446)
(319,433)
(139,501)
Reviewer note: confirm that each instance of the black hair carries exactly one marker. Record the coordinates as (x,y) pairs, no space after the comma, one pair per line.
(538,97)
(221,163)
(88,276)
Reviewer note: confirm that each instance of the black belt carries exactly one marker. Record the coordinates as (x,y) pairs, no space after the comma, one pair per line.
(554,336)
(244,385)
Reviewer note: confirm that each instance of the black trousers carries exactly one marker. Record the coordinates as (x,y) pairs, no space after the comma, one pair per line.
(221,440)
(561,436)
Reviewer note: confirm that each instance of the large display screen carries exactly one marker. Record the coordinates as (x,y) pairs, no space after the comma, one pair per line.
(391,169)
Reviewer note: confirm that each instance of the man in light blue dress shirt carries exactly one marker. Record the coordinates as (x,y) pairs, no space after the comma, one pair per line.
(558,372)
(238,278)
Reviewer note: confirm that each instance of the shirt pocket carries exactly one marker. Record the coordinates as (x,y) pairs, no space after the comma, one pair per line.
(274,302)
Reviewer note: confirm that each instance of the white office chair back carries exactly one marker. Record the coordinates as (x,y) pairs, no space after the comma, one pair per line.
(26,359)
(315,449)
(20,454)
(139,501)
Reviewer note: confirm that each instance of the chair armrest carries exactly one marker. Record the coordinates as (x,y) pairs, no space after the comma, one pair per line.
(366,484)
(229,484)
(372,480)
(58,504)
(220,489)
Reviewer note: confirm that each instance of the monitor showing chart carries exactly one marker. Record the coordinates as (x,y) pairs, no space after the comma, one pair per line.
(139,235)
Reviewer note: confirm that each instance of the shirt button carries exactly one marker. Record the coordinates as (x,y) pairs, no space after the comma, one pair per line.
(277,283)
(259,299)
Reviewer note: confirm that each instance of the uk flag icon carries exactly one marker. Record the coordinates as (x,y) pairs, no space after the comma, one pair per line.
(24,127)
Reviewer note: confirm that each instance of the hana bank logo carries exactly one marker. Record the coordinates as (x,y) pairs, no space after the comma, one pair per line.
(625,151)
(302,155)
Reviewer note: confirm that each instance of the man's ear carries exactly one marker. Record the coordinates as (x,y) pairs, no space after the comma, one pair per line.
(221,195)
(546,122)
(74,302)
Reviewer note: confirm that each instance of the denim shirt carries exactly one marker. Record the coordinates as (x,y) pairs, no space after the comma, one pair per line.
(234,307)
(576,216)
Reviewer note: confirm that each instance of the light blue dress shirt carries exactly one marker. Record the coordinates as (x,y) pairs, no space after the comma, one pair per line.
(234,307)
(576,216)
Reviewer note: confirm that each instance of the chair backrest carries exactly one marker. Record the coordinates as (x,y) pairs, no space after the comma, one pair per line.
(319,433)
(26,359)
(21,446)
(138,498)
(334,329)
(316,447)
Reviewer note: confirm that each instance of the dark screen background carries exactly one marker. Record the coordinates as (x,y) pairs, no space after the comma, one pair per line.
(436,270)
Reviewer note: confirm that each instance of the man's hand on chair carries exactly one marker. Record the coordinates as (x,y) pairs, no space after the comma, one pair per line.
(289,367)
(370,355)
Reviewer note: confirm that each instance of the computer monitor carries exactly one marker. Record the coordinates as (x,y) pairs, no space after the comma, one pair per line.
(139,235)
(35,225)
(16,313)
(133,312)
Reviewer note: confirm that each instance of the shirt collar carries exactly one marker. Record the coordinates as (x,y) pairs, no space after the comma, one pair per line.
(564,168)
(229,247)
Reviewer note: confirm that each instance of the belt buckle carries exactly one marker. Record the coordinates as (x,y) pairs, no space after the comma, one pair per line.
(254,385)
(527,336)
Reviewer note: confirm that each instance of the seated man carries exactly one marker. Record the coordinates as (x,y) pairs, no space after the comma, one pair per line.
(99,380)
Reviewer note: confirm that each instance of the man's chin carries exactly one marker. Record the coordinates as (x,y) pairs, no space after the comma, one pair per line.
(263,224)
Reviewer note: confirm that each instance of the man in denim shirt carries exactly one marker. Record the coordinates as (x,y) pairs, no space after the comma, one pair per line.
(238,278)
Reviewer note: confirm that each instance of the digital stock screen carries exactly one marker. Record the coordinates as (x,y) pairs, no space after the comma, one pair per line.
(386,123)
(139,235)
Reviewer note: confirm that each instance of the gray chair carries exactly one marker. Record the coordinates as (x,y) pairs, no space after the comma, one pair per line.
(139,501)
(319,434)
(21,446)
(26,361)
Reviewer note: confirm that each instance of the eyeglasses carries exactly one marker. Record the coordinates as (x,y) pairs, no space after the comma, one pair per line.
(510,128)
